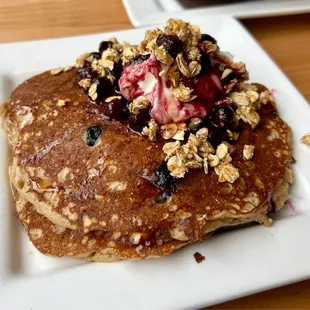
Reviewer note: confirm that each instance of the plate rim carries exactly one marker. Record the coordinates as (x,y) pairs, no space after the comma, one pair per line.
(299,98)
(249,10)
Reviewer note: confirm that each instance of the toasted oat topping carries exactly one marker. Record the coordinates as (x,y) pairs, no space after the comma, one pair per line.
(189,70)
(249,98)
(111,98)
(196,153)
(213,160)
(179,134)
(129,52)
(248,115)
(248,151)
(173,75)
(81,60)
(183,93)
(221,151)
(85,83)
(306,139)
(92,92)
(227,173)
(185,32)
(151,130)
(60,69)
(141,103)
(232,135)
(168,131)
(56,71)
(103,64)
(164,76)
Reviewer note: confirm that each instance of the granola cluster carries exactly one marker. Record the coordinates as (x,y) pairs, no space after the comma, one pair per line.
(177,86)
(106,64)
(101,65)
(199,153)
(248,99)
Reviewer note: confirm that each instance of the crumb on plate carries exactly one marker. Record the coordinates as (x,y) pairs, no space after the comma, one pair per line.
(306,139)
(198,257)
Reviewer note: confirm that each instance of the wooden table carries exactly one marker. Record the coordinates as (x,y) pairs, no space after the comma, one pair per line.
(287,41)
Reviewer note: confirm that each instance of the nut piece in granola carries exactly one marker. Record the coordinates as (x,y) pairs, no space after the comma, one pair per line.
(248,151)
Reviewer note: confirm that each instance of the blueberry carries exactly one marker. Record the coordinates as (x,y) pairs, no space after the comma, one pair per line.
(205,61)
(207,37)
(164,180)
(215,135)
(171,43)
(92,134)
(139,59)
(104,87)
(104,45)
(87,73)
(138,121)
(222,116)
(87,64)
(117,70)
(114,109)
(96,55)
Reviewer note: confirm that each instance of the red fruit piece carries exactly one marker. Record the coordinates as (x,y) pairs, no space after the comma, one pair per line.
(208,87)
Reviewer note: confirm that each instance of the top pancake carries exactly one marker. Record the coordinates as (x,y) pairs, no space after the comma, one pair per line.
(107,186)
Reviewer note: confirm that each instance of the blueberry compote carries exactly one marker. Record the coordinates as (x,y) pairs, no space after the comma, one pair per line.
(104,45)
(171,44)
(139,59)
(222,116)
(138,121)
(115,109)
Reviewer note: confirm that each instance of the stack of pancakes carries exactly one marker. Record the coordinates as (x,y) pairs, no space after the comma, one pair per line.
(98,201)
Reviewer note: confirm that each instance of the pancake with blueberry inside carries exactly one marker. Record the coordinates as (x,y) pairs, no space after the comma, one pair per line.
(145,148)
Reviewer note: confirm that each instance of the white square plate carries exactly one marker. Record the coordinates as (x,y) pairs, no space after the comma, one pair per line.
(159,10)
(237,263)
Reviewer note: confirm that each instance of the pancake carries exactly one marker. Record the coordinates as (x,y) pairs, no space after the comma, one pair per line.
(52,169)
(54,240)
(143,150)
